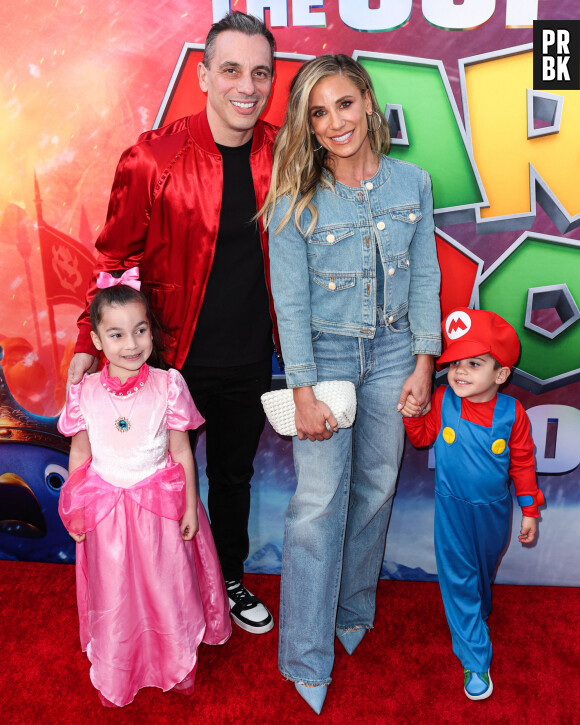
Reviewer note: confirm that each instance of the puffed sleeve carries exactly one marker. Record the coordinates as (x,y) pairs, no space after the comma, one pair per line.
(181,411)
(71,419)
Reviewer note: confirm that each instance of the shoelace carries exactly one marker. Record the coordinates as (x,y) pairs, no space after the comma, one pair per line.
(241,595)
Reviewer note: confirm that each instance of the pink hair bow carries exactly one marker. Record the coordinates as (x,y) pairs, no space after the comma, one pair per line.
(130,278)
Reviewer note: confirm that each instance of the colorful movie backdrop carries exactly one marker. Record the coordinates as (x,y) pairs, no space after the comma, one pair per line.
(81,80)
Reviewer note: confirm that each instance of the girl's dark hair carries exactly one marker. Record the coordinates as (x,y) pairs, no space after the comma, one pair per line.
(121,295)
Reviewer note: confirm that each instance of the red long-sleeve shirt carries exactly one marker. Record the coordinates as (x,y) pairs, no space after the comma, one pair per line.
(424,430)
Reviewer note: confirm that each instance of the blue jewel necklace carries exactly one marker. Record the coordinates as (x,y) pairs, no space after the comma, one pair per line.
(123,423)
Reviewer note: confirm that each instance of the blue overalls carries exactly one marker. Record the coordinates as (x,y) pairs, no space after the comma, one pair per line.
(472,520)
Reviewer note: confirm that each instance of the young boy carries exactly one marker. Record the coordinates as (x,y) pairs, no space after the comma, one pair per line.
(482,440)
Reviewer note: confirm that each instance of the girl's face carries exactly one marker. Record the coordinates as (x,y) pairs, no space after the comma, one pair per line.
(124,335)
(338,116)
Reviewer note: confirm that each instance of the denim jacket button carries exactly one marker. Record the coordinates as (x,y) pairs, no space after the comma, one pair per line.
(381,225)
(391,272)
(330,238)
(391,320)
(412,216)
(331,286)
(369,185)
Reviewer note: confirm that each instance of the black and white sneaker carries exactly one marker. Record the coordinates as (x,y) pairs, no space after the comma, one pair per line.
(247,611)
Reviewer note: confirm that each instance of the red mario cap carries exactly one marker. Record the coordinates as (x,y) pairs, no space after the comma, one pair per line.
(468,333)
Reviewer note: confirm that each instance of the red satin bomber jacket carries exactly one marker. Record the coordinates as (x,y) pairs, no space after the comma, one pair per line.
(163,217)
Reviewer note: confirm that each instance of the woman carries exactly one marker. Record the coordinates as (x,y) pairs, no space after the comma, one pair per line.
(355,282)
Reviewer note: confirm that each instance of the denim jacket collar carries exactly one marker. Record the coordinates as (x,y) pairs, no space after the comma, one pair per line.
(351,192)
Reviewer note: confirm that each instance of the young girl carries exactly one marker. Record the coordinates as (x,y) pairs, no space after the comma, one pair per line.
(148,592)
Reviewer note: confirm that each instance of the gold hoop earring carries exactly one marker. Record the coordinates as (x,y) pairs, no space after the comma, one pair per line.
(369,121)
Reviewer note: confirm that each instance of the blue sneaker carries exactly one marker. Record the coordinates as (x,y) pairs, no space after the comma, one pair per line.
(477,685)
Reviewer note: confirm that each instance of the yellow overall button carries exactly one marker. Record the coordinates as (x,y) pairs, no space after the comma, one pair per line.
(498,446)
(448,435)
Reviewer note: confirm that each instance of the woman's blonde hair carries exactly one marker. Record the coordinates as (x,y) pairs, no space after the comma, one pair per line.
(297,164)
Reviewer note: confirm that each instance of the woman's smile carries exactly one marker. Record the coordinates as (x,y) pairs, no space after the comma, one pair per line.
(342,139)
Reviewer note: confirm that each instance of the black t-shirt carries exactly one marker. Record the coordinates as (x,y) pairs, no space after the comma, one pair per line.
(234,325)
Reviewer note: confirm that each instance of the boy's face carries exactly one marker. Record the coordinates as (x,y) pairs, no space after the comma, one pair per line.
(476,378)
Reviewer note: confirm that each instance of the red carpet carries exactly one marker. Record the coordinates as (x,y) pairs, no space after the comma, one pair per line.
(403,672)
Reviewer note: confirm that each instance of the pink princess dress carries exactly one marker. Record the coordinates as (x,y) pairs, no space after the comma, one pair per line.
(146,598)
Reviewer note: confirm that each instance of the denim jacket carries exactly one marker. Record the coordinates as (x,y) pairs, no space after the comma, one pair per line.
(326,281)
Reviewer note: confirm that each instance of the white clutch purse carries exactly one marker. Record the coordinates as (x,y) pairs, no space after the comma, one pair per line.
(339,395)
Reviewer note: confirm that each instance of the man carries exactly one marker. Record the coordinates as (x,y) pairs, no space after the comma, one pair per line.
(182,209)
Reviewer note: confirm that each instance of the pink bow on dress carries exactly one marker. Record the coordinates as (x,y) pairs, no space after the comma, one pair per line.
(130,278)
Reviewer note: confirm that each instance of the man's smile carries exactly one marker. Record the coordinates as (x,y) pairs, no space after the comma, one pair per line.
(244,104)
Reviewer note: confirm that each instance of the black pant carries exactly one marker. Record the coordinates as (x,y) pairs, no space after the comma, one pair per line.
(229,400)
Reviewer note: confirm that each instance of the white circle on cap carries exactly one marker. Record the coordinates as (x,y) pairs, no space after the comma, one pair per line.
(457,324)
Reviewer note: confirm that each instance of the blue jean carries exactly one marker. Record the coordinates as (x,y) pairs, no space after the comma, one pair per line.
(336,522)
